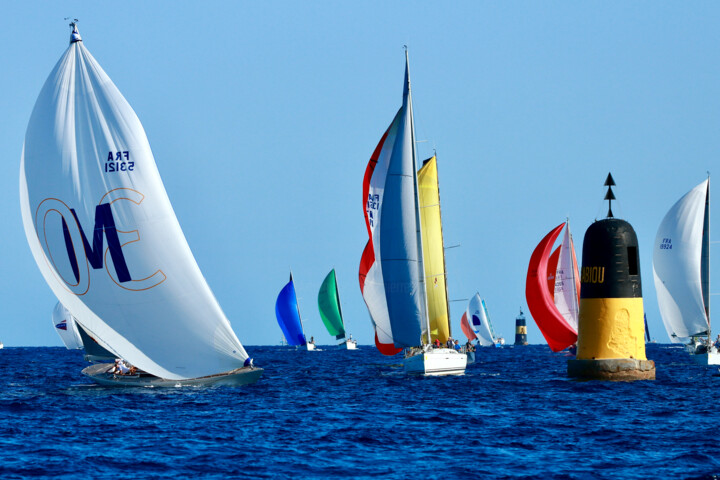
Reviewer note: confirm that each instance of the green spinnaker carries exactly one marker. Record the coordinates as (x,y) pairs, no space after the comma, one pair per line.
(329,305)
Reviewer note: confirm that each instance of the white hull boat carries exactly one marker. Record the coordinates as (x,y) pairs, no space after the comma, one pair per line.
(402,269)
(700,354)
(311,347)
(711,358)
(87,172)
(438,361)
(101,373)
(348,345)
(681,269)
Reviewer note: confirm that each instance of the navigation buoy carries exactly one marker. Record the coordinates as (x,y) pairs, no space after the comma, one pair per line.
(520,329)
(611,327)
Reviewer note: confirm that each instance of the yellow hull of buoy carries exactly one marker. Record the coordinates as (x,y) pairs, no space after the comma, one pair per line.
(612,328)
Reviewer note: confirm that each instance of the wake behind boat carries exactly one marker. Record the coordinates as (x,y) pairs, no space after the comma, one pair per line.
(404,259)
(106,239)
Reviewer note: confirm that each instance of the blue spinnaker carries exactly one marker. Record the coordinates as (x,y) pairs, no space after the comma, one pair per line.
(288,315)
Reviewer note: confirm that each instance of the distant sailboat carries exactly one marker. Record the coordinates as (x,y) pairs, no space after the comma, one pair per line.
(287,313)
(106,239)
(392,273)
(479,321)
(681,269)
(552,290)
(331,312)
(66,328)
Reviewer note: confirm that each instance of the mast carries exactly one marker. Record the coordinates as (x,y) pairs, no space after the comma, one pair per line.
(705,262)
(421,260)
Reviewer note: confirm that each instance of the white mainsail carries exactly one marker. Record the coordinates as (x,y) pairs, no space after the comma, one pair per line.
(64,324)
(103,232)
(678,259)
(479,321)
(566,299)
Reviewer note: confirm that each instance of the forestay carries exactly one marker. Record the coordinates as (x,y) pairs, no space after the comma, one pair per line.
(103,232)
(677,265)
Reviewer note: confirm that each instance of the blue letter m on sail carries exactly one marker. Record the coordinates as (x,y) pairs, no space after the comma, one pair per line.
(104,222)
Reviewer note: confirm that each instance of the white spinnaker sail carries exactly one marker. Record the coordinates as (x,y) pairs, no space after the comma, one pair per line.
(565,286)
(677,263)
(479,322)
(65,326)
(103,232)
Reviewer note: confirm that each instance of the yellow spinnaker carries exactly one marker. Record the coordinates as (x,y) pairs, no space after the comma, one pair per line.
(433,250)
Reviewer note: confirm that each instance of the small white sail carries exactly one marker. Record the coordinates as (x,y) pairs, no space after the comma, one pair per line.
(64,324)
(479,321)
(566,299)
(677,266)
(103,232)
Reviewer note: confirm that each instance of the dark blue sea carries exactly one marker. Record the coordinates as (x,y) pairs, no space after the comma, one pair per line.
(355,414)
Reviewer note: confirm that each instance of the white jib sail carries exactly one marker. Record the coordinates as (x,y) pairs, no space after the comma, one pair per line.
(65,326)
(103,232)
(565,286)
(677,266)
(479,321)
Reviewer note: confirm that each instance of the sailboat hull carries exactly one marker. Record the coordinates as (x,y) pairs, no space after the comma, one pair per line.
(711,358)
(99,373)
(440,361)
(348,345)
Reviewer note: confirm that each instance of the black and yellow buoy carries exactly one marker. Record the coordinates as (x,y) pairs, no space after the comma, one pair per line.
(520,329)
(611,327)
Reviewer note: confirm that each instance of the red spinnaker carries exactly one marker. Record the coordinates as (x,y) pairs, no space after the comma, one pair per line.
(553,326)
(368,256)
(467,330)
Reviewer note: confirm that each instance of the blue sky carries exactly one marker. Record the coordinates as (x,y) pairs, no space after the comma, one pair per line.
(262,117)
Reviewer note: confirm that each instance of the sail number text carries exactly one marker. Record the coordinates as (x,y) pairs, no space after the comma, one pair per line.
(119,162)
(666,244)
(373,203)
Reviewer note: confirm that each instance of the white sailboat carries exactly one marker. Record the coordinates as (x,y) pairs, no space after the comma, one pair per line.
(391,270)
(106,239)
(479,320)
(681,268)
